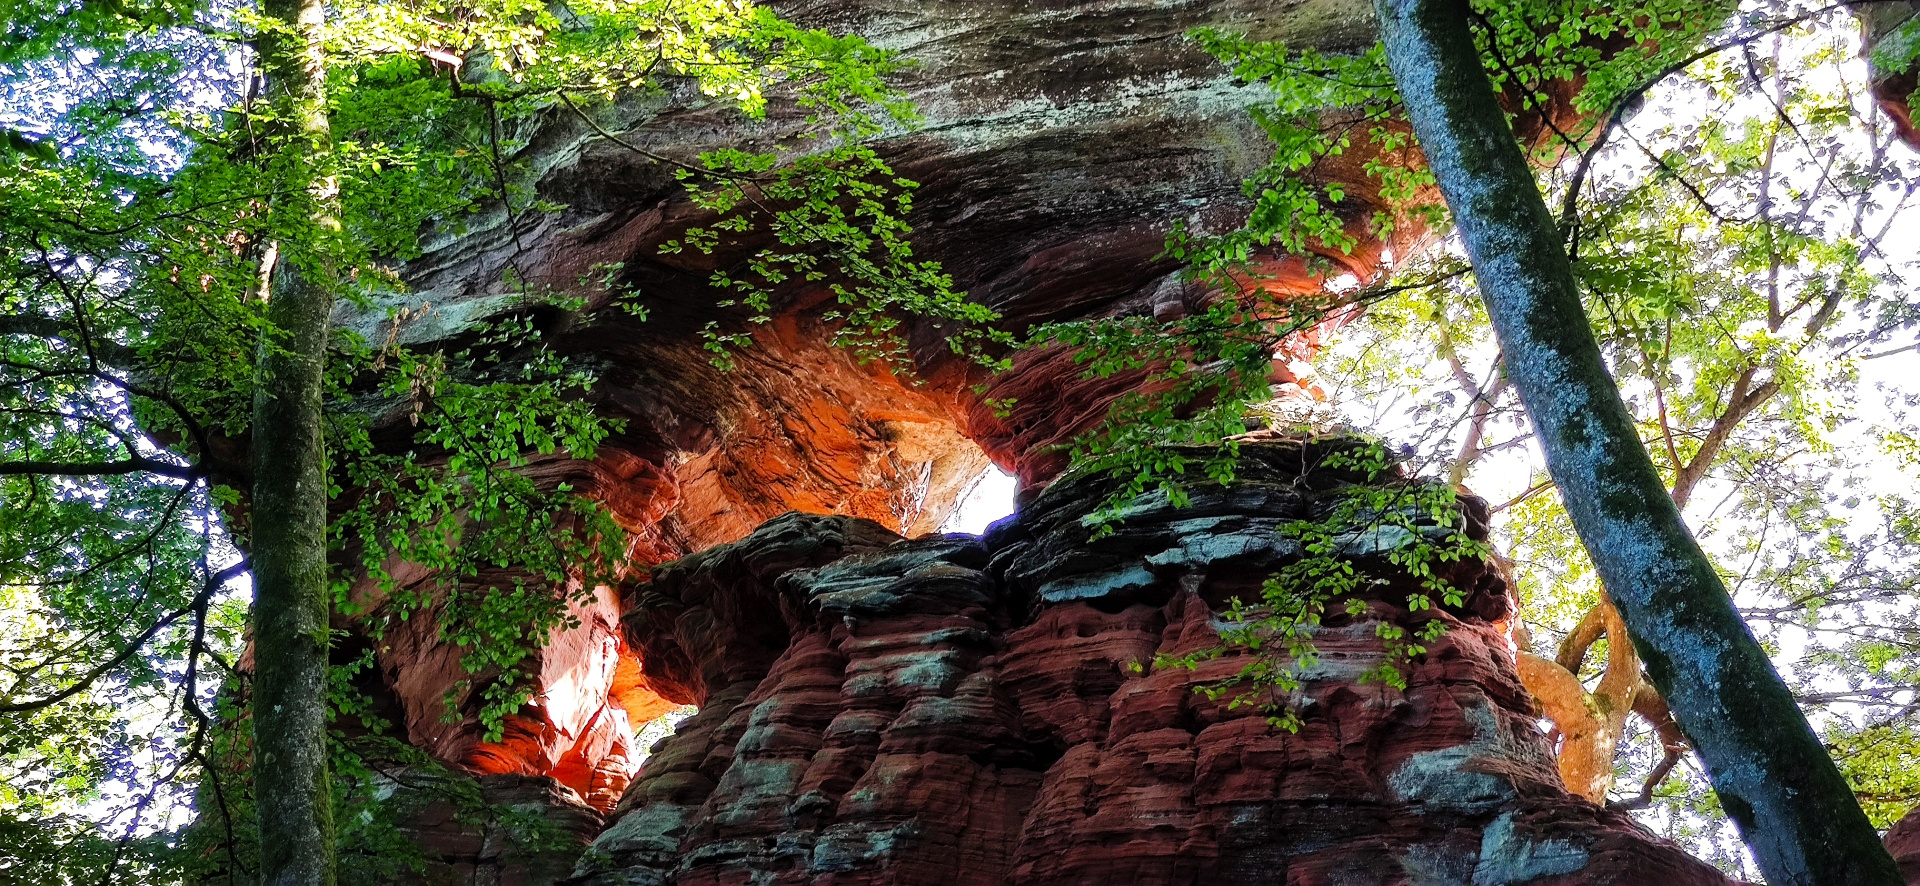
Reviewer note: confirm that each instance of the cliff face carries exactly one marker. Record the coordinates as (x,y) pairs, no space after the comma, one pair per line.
(999,710)
(1061,142)
(875,710)
(991,711)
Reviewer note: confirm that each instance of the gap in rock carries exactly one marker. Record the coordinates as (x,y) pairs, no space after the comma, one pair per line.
(990,498)
(649,733)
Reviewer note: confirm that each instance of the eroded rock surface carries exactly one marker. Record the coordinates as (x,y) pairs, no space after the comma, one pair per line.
(1903,840)
(993,711)
(1061,141)
(873,710)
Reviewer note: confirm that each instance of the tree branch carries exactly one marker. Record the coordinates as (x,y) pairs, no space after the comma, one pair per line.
(1770,771)
(135,465)
(213,583)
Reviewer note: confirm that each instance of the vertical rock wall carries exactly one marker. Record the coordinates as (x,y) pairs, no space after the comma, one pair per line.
(1061,141)
(875,710)
(960,710)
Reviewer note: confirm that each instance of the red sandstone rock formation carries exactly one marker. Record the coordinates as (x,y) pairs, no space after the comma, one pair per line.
(967,713)
(503,830)
(1903,840)
(1892,90)
(989,711)
(1062,141)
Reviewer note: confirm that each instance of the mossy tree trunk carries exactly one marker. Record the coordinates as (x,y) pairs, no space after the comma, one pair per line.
(289,508)
(1770,771)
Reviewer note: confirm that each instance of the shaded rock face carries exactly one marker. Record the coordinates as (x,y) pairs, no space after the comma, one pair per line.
(990,711)
(1903,841)
(1061,142)
(511,830)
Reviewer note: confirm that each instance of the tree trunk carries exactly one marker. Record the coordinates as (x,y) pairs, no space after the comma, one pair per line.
(289,509)
(1772,775)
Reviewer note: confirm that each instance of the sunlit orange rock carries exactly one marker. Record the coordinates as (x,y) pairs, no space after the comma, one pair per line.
(1903,840)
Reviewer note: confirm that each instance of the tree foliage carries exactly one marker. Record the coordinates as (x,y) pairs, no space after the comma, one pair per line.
(1731,201)
(148,193)
(1737,243)
(1734,204)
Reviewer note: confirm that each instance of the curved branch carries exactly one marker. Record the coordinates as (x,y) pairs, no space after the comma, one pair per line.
(213,583)
(1573,650)
(55,329)
(1652,708)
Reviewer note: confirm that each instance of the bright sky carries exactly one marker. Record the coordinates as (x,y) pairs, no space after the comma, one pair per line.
(1884,381)
(990,499)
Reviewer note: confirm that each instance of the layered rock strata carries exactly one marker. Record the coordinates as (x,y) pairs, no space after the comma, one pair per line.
(497,830)
(999,710)
(1903,840)
(1061,141)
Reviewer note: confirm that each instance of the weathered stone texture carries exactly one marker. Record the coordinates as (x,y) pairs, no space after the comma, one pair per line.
(991,711)
(954,709)
(1061,141)
(500,830)
(1903,840)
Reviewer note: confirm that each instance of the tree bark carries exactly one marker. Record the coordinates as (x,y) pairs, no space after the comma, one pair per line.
(289,508)
(1773,777)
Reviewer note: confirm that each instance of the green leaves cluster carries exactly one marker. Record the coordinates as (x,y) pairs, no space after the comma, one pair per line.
(1194,378)
(1383,529)
(1733,245)
(1321,103)
(838,218)
(142,205)
(1732,239)
(503,557)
